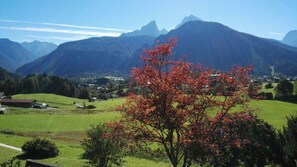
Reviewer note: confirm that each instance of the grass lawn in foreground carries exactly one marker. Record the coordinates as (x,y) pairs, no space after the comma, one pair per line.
(69,155)
(54,122)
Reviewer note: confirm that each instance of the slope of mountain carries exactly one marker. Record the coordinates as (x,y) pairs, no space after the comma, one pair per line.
(39,48)
(98,55)
(151,29)
(187,19)
(163,31)
(218,46)
(291,38)
(208,43)
(13,55)
(4,74)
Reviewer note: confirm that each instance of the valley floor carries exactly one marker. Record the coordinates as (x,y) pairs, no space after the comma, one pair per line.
(66,125)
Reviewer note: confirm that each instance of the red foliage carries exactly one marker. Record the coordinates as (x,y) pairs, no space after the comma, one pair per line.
(177,100)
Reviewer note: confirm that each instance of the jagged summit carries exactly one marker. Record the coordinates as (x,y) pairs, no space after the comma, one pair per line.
(163,31)
(151,29)
(187,19)
(291,38)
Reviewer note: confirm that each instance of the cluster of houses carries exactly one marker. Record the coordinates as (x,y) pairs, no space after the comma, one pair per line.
(272,79)
(105,87)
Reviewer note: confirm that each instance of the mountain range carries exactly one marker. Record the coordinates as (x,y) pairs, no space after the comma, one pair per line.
(95,55)
(13,55)
(218,46)
(209,43)
(39,48)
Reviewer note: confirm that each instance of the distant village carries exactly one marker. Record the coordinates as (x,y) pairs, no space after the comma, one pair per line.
(272,79)
(108,87)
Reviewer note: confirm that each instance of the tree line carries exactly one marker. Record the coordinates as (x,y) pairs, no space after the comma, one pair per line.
(43,83)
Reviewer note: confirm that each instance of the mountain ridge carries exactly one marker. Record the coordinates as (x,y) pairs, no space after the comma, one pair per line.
(98,54)
(13,55)
(150,29)
(209,43)
(213,44)
(187,19)
(39,48)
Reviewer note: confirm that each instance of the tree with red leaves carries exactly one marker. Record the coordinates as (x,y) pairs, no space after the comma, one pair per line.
(176,107)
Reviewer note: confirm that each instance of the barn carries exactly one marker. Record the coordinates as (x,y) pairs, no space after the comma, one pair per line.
(18,103)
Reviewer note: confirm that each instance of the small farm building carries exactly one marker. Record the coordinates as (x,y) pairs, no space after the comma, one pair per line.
(18,103)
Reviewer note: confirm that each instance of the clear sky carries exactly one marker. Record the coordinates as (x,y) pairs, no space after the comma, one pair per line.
(63,20)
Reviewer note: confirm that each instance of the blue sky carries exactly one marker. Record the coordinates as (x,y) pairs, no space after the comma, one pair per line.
(65,20)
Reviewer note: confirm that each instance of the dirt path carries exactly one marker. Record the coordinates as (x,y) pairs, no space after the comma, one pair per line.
(11,147)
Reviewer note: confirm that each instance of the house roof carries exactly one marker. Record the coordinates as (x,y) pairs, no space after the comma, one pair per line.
(16,101)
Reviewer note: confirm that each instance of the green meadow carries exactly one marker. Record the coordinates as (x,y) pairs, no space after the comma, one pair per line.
(65,124)
(68,103)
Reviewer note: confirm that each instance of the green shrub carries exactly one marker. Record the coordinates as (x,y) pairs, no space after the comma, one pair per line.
(289,137)
(288,98)
(295,87)
(100,150)
(268,86)
(266,95)
(40,147)
(90,106)
(284,88)
(11,163)
(143,151)
(7,132)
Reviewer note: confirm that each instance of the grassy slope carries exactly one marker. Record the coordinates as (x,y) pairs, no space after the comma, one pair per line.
(274,112)
(70,122)
(66,103)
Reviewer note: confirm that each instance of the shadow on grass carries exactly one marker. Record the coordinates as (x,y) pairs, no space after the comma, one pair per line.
(25,156)
(289,99)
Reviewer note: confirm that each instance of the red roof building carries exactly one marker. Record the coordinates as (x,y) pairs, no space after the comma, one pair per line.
(18,103)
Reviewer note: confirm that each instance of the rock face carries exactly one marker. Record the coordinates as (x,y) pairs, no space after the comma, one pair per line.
(95,55)
(187,19)
(13,55)
(39,48)
(151,29)
(291,38)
